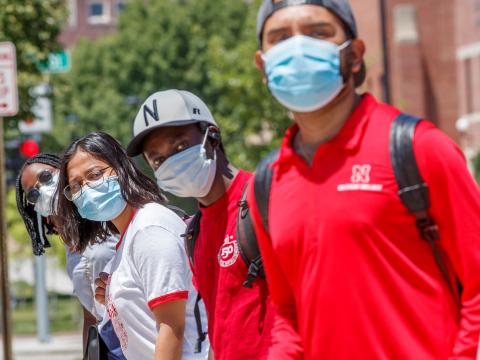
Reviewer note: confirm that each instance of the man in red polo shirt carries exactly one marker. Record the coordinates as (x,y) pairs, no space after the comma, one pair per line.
(348,272)
(179,138)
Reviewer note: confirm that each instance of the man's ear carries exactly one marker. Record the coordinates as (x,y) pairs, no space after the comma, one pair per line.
(357,53)
(214,135)
(260,65)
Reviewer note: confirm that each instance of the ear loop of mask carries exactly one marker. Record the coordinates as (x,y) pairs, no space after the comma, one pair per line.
(204,150)
(40,228)
(342,47)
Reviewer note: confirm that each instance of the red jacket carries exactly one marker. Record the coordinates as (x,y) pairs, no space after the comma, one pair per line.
(347,270)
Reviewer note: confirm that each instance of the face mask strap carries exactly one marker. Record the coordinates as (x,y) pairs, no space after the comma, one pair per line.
(40,228)
(204,142)
(346,44)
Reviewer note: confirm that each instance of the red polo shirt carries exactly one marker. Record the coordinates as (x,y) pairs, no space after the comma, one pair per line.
(348,272)
(239,319)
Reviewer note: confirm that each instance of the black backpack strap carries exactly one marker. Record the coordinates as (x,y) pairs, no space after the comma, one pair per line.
(190,239)
(413,190)
(202,335)
(191,234)
(262,184)
(246,238)
(247,242)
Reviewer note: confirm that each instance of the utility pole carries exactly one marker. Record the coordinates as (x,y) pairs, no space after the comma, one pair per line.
(8,107)
(386,64)
(5,289)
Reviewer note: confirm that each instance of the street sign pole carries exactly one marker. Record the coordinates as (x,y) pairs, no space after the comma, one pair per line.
(4,283)
(8,107)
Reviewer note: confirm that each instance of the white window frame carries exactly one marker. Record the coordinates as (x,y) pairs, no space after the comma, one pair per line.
(105,18)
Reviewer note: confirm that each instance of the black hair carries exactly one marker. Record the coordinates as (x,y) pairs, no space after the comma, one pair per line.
(37,231)
(137,189)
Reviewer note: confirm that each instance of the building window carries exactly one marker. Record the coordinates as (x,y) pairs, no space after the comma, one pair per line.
(98,12)
(120,6)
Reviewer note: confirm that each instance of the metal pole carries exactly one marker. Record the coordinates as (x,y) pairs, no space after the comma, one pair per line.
(386,65)
(4,284)
(41,300)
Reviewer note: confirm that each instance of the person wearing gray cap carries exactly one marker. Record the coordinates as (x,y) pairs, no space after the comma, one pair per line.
(366,216)
(178,136)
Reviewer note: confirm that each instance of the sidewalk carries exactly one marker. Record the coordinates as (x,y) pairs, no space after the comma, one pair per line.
(61,347)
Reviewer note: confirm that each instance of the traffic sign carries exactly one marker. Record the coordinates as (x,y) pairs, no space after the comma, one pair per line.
(55,63)
(42,112)
(8,80)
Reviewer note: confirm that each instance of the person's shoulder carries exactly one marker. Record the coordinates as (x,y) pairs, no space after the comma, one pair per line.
(433,140)
(158,215)
(436,152)
(244,176)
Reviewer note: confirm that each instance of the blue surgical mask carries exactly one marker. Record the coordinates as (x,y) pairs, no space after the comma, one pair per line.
(188,173)
(304,73)
(103,202)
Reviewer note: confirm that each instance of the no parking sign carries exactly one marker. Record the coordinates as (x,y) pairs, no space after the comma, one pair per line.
(8,80)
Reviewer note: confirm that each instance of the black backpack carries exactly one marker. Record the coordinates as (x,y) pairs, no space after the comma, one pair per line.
(413,194)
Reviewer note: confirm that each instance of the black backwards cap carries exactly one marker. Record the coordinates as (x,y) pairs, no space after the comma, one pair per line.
(341,8)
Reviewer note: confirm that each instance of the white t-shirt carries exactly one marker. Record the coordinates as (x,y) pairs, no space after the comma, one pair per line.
(84,268)
(151,268)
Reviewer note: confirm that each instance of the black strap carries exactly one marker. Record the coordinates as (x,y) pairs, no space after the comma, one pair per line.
(191,234)
(246,238)
(413,190)
(262,185)
(198,321)
(247,242)
(95,348)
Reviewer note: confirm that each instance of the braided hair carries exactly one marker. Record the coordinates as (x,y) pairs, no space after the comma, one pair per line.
(36,230)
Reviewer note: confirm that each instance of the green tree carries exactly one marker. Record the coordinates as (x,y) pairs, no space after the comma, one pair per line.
(33,26)
(203,46)
(476,165)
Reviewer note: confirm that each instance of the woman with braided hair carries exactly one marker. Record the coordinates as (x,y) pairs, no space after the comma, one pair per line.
(33,177)
(36,186)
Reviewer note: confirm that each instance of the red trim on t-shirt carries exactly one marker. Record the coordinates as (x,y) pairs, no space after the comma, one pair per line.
(126,227)
(178,295)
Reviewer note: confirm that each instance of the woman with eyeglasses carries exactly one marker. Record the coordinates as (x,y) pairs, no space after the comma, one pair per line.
(148,293)
(36,185)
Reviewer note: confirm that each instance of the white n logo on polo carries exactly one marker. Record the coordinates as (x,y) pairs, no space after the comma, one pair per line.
(361,174)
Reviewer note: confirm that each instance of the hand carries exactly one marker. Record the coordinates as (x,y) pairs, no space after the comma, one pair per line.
(100,287)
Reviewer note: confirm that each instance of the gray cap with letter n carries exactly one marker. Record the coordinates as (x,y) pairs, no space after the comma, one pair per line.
(167,108)
(341,8)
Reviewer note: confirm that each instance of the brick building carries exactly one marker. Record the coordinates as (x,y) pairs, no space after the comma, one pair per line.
(434,61)
(433,55)
(90,19)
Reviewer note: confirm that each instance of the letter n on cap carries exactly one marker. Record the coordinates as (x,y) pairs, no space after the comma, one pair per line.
(153,113)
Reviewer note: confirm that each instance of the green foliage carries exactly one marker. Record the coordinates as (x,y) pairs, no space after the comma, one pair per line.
(33,26)
(203,46)
(65,314)
(477,168)
(16,227)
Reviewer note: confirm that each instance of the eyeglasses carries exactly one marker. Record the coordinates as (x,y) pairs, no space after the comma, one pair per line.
(93,179)
(44,178)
